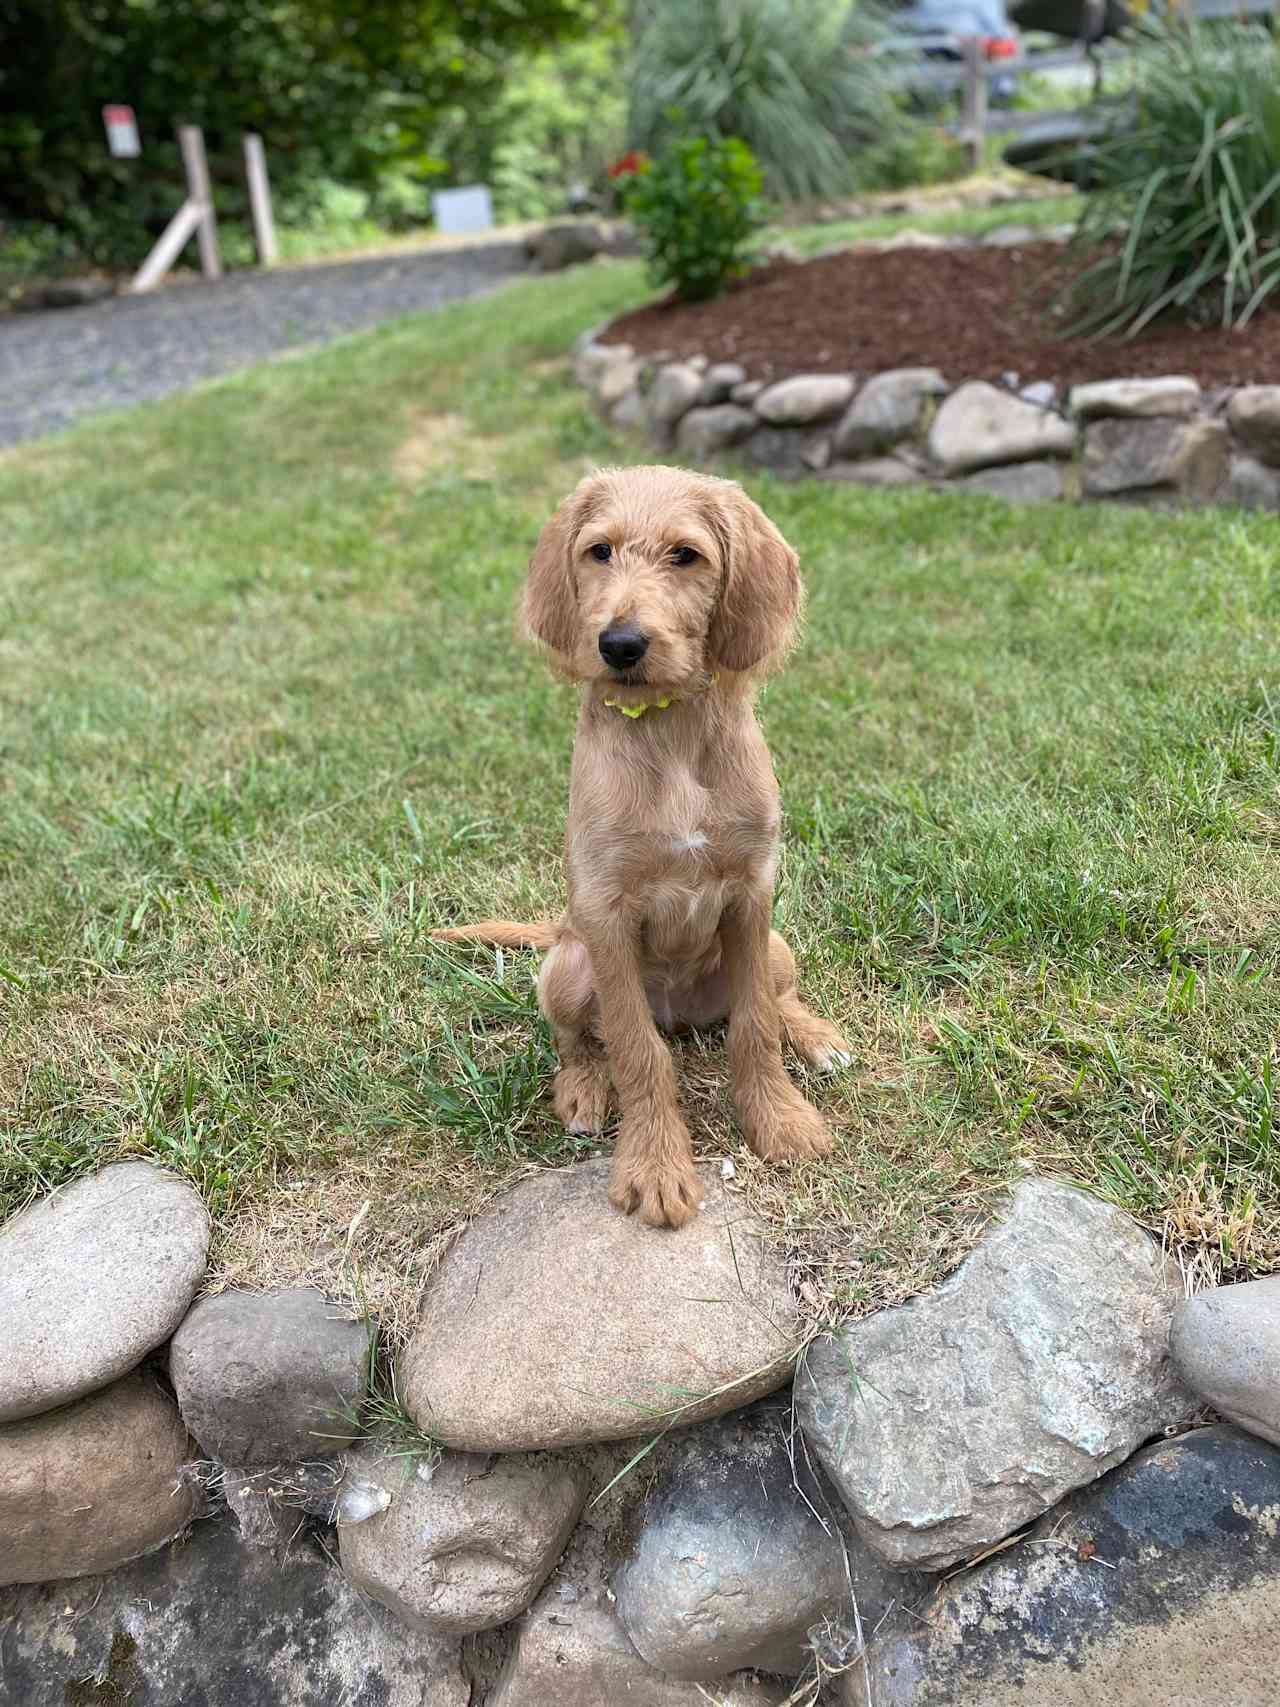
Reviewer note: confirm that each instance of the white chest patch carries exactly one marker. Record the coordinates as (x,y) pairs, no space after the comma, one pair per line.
(694,842)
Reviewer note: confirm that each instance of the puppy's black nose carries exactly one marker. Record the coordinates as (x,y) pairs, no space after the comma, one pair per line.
(623,646)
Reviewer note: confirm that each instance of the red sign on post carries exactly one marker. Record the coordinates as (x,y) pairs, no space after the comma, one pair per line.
(122,132)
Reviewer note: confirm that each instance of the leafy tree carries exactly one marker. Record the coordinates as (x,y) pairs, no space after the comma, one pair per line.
(339,89)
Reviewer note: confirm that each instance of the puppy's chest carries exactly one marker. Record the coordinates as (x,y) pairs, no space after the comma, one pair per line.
(690,837)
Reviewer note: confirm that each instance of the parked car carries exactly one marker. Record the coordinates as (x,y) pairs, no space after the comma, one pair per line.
(938,30)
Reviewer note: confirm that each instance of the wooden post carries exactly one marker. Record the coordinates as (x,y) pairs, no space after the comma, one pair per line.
(264,226)
(195,214)
(973,126)
(173,240)
(191,142)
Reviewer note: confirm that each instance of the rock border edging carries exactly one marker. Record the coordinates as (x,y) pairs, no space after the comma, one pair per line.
(1163,440)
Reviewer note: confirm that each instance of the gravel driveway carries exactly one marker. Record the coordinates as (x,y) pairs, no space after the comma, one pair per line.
(58,366)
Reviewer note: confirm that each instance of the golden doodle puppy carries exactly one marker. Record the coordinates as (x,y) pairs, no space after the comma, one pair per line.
(666,595)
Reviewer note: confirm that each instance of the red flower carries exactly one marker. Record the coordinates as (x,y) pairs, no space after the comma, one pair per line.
(631,162)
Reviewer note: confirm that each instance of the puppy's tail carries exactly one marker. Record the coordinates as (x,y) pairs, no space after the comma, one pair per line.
(503,933)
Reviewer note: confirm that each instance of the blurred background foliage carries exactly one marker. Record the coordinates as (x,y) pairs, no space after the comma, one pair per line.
(363,105)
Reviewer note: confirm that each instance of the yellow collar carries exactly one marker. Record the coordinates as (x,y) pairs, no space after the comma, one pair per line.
(659,704)
(644,705)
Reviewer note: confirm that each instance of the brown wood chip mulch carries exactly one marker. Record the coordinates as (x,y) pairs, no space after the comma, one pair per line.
(976,313)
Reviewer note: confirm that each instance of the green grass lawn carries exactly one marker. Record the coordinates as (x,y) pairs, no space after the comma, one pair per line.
(263,723)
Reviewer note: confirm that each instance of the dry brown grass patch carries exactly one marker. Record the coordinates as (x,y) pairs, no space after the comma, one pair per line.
(437,441)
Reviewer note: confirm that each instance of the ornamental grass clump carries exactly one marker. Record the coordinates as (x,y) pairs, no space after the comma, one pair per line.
(1183,215)
(794,79)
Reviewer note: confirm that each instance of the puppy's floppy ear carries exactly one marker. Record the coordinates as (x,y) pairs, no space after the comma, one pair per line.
(549,605)
(761,593)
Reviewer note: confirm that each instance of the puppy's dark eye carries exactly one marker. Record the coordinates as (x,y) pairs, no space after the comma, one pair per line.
(602,552)
(683,556)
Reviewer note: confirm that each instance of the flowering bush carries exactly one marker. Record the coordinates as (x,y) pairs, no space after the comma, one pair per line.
(697,206)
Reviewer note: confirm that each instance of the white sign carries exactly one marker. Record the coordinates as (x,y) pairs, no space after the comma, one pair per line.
(122,132)
(469,209)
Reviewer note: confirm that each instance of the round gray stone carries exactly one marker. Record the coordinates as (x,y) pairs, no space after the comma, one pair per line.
(577,1655)
(466,1541)
(1251,484)
(889,407)
(90,1486)
(874,471)
(1226,1345)
(1254,416)
(741,1549)
(804,398)
(92,1279)
(718,382)
(1020,483)
(1132,457)
(269,1377)
(980,426)
(703,432)
(554,1320)
(674,393)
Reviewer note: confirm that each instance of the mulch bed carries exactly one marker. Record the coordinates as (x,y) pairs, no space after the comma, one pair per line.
(977,313)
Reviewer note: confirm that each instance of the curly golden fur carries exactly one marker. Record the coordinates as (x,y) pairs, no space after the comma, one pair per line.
(672,837)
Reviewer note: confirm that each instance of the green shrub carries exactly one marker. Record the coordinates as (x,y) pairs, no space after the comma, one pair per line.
(698,206)
(790,77)
(910,154)
(1183,210)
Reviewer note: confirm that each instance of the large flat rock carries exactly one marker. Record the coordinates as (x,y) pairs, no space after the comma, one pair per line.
(1189,458)
(951,1421)
(212,1623)
(92,1279)
(555,1321)
(93,1485)
(1157,1587)
(980,426)
(1135,399)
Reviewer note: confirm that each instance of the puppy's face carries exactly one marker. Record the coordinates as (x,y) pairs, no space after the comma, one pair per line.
(652,579)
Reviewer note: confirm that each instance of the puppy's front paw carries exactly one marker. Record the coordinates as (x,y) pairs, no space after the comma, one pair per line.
(658,1181)
(782,1127)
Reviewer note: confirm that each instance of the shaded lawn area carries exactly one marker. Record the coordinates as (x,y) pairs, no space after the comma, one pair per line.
(263,723)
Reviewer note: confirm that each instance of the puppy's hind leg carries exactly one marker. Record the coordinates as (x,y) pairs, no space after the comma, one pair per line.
(566,995)
(814,1039)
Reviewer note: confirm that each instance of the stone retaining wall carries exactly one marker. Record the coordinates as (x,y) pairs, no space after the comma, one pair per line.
(537,1527)
(1137,440)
